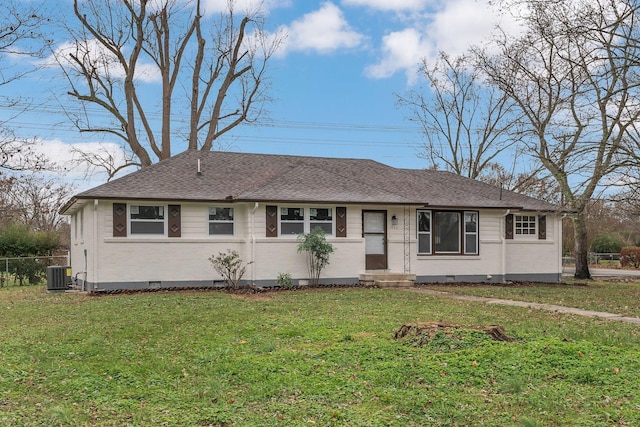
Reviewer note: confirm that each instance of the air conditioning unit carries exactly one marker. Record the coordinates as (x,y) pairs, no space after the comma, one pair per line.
(58,278)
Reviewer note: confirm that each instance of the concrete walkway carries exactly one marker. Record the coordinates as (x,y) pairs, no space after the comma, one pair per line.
(524,304)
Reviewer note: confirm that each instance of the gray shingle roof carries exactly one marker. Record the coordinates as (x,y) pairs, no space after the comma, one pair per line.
(227,176)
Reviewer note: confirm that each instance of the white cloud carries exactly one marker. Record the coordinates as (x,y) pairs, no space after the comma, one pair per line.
(453,29)
(251,6)
(96,54)
(461,24)
(389,5)
(324,30)
(401,51)
(68,164)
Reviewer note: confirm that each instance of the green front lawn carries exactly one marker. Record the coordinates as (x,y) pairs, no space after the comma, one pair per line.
(613,297)
(304,358)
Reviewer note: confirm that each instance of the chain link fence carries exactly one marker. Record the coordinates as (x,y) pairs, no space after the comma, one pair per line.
(20,271)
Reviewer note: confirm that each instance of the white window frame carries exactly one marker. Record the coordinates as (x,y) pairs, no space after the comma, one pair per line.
(221,221)
(525,225)
(306,219)
(316,222)
(471,233)
(132,207)
(291,221)
(424,233)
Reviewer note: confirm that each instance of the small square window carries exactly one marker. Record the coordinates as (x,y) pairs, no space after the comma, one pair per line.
(525,224)
(321,217)
(291,221)
(221,221)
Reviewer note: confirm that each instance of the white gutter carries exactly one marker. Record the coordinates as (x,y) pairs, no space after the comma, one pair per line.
(503,230)
(95,244)
(560,243)
(253,243)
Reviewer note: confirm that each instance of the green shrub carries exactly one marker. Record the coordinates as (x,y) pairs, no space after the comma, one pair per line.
(630,257)
(230,266)
(318,250)
(608,243)
(284,280)
(19,241)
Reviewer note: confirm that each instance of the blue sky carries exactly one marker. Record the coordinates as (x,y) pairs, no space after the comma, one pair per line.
(334,81)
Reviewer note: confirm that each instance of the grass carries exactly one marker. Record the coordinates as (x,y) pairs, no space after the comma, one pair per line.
(301,358)
(613,297)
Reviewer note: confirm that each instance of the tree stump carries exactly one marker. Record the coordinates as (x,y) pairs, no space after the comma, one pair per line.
(428,330)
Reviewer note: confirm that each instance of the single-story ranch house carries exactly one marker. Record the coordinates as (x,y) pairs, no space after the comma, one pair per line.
(158,227)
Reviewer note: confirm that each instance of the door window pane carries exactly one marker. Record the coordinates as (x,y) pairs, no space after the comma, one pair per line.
(374,244)
(374,222)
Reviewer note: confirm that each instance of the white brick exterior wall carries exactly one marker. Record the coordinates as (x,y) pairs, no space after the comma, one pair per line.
(143,259)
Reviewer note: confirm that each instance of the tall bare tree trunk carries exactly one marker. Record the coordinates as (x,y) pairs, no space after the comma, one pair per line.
(581,246)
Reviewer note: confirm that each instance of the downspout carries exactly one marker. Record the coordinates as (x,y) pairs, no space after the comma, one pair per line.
(560,244)
(253,243)
(503,230)
(95,244)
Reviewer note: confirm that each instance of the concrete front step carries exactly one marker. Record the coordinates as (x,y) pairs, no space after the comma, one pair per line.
(394,283)
(388,279)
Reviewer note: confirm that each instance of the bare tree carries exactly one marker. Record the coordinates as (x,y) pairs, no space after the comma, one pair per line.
(20,36)
(468,126)
(574,76)
(103,159)
(34,201)
(124,49)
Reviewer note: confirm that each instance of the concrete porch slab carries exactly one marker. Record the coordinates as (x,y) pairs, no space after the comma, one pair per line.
(385,279)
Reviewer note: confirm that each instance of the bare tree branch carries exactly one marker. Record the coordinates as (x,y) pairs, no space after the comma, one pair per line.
(129,56)
(574,75)
(467,125)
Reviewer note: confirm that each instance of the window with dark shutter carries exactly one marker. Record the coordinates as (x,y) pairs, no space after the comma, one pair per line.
(542,227)
(119,220)
(272,221)
(174,221)
(508,227)
(341,221)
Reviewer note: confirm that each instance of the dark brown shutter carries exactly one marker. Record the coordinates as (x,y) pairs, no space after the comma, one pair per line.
(272,221)
(542,227)
(341,221)
(508,227)
(174,222)
(119,220)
